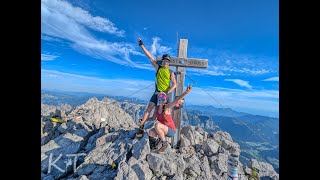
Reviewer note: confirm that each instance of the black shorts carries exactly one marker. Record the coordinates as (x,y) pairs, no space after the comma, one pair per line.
(154,97)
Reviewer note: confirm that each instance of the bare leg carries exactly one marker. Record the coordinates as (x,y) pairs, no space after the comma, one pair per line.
(151,105)
(169,97)
(162,130)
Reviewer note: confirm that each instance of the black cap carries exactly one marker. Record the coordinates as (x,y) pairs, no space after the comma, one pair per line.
(166,57)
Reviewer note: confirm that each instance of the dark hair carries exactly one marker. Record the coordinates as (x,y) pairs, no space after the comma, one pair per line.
(166,57)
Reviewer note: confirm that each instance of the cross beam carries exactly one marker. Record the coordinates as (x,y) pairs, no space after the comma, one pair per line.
(181,63)
(186,62)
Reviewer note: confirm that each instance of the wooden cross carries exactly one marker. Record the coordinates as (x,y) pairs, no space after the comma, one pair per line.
(181,62)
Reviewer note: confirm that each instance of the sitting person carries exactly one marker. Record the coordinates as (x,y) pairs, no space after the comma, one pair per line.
(164,126)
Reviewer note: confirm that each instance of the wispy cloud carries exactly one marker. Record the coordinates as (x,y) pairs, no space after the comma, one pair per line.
(254,71)
(253,101)
(49,38)
(240,82)
(202,72)
(156,48)
(60,19)
(272,79)
(56,80)
(48,57)
(227,62)
(78,16)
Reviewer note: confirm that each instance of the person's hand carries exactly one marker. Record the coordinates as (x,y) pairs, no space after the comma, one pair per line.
(188,89)
(140,42)
(141,123)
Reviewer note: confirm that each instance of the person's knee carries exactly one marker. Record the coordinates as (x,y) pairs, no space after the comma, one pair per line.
(156,125)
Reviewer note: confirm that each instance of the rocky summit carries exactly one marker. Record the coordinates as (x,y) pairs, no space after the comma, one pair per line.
(97,141)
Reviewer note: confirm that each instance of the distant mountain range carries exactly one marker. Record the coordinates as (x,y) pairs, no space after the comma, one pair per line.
(76,98)
(217,111)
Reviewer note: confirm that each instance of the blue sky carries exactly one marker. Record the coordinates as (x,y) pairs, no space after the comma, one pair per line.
(91,46)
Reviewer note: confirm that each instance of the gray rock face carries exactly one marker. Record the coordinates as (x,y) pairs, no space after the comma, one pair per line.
(206,172)
(48,128)
(191,136)
(227,143)
(134,169)
(49,111)
(162,164)
(103,139)
(57,150)
(264,170)
(210,147)
(134,110)
(193,166)
(141,148)
(103,113)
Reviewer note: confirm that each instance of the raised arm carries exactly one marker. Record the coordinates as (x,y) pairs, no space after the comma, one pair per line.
(147,53)
(174,83)
(173,103)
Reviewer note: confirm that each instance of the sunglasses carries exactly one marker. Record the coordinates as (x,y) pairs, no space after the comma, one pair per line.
(160,99)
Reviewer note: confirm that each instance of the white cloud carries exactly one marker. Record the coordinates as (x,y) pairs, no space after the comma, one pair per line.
(53,76)
(272,79)
(79,16)
(49,38)
(245,93)
(240,82)
(224,62)
(201,72)
(157,49)
(227,69)
(250,71)
(48,57)
(59,19)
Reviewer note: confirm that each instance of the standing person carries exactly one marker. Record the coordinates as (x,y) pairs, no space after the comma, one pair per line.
(163,78)
(164,126)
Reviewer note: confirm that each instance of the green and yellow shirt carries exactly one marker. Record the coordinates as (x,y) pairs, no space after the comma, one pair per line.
(163,79)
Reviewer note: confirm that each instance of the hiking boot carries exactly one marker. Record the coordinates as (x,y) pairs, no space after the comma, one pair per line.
(152,142)
(156,145)
(164,146)
(140,132)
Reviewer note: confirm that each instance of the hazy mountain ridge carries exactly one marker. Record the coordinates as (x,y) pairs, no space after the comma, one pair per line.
(77,98)
(210,110)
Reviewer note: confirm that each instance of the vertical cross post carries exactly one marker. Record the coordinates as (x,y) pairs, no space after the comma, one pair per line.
(177,112)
